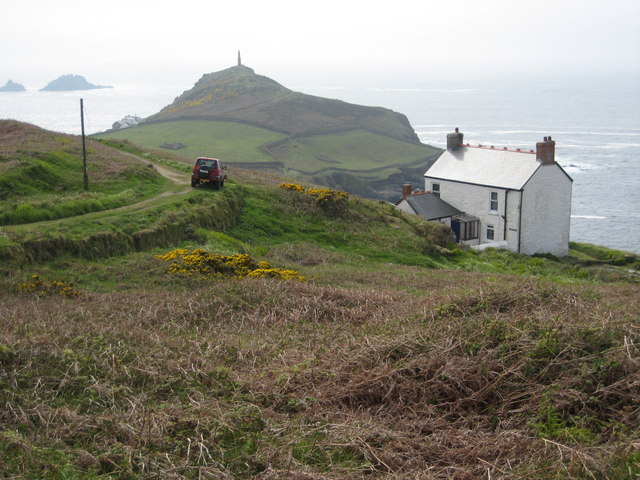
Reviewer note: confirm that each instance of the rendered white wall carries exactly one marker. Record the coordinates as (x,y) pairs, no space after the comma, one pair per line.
(475,200)
(546,212)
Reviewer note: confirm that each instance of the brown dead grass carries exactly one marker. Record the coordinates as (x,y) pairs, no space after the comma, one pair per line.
(20,140)
(439,384)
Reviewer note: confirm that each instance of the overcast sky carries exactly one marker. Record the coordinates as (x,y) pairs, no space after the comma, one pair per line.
(332,42)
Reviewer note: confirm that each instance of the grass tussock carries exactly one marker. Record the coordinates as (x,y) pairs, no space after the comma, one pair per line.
(275,379)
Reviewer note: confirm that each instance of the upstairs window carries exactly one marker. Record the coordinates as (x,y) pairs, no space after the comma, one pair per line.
(435,189)
(493,202)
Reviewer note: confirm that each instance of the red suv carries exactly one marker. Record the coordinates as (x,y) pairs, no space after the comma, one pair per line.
(208,170)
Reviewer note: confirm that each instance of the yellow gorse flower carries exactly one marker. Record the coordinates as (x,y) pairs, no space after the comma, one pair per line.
(201,263)
(292,186)
(42,287)
(326,198)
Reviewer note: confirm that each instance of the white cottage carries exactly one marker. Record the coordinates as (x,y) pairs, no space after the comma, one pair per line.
(520,200)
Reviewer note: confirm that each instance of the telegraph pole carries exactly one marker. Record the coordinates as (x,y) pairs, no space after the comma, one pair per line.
(84,148)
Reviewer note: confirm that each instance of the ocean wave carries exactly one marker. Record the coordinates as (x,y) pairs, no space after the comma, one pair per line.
(589,217)
(571,169)
(423,90)
(538,131)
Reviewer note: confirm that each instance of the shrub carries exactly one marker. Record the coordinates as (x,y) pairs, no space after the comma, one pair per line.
(326,198)
(42,287)
(202,263)
(292,186)
(279,273)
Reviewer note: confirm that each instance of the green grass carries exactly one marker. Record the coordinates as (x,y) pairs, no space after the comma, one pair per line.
(164,220)
(231,142)
(354,150)
(50,186)
(354,158)
(366,229)
(157,156)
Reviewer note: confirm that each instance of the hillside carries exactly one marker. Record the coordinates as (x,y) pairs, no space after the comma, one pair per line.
(370,151)
(41,175)
(238,93)
(272,330)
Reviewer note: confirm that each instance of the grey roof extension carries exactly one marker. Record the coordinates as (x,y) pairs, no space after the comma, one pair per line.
(431,207)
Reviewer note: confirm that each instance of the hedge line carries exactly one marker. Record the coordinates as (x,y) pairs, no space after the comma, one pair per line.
(170,229)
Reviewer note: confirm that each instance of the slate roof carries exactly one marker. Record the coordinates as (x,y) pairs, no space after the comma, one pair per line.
(491,167)
(431,207)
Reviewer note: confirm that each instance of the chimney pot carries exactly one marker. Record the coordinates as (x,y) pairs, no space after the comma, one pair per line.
(546,151)
(454,140)
(406,190)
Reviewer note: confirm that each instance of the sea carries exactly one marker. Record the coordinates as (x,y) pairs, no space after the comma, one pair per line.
(595,121)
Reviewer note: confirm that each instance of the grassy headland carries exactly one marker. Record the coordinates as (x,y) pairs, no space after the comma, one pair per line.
(400,356)
(251,121)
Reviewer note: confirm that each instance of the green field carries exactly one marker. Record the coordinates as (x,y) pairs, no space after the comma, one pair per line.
(355,160)
(229,141)
(357,151)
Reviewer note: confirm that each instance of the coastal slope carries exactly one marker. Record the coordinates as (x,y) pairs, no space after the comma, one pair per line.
(252,121)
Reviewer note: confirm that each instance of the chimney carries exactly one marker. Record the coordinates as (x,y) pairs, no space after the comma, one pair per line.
(546,151)
(454,140)
(406,190)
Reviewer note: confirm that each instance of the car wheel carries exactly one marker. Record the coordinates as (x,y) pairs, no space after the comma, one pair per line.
(194,182)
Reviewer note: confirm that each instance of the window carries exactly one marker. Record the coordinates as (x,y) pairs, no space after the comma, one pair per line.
(490,232)
(465,227)
(435,189)
(493,203)
(471,230)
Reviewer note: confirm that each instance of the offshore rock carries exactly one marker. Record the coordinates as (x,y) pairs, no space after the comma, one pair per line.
(12,86)
(70,82)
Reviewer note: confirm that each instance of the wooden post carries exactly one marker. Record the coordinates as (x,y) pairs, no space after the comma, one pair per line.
(84,148)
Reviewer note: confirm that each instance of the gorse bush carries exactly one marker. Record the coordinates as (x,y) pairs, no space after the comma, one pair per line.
(42,287)
(201,263)
(326,198)
(280,273)
(294,187)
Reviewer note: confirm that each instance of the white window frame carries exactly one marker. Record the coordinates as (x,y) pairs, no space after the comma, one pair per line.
(493,200)
(435,189)
(491,232)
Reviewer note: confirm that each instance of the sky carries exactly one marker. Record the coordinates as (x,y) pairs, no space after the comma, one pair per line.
(333,42)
